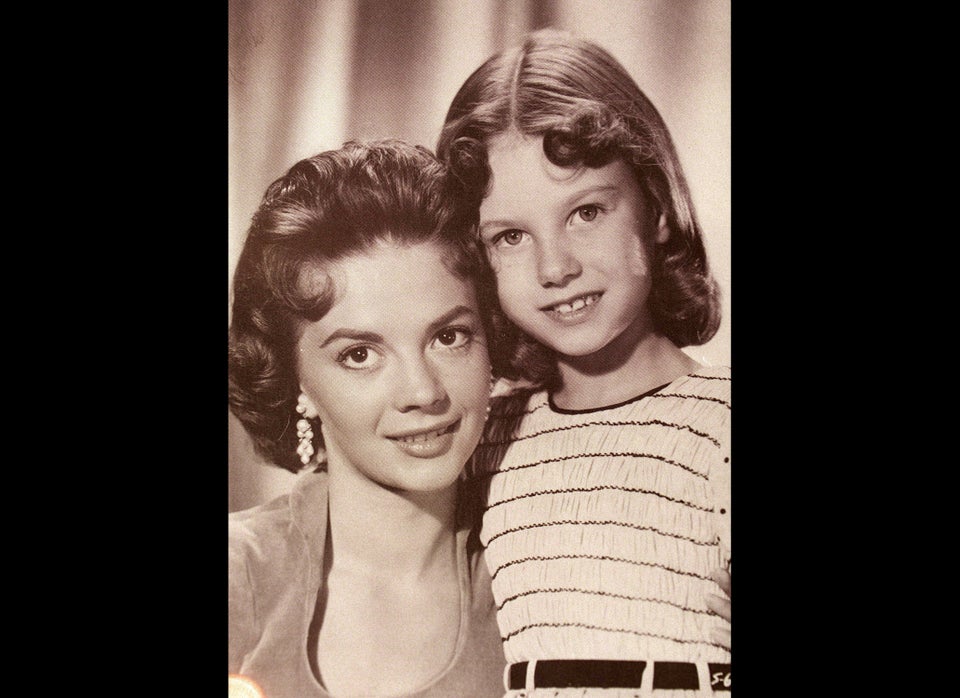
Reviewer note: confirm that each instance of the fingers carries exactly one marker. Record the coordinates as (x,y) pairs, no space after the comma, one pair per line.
(722,577)
(719,605)
(721,636)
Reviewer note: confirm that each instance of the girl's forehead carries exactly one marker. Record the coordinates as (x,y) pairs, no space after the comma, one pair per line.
(519,155)
(520,169)
(513,139)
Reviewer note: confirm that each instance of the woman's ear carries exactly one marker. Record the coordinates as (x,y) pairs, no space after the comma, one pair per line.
(305,406)
(663,232)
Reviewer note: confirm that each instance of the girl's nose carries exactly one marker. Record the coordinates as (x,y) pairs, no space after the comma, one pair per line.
(556,265)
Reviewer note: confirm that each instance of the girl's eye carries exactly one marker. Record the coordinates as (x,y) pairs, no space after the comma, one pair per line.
(508,237)
(358,357)
(453,337)
(588,212)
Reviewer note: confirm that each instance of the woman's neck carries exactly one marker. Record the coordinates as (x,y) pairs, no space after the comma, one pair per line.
(633,364)
(389,611)
(377,531)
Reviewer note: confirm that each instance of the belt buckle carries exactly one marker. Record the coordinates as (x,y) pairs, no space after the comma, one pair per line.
(719,676)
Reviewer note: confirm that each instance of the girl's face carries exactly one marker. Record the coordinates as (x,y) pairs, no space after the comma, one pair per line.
(397,370)
(569,247)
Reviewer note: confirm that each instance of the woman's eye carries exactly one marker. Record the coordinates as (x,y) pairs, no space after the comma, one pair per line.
(358,357)
(509,237)
(588,212)
(453,337)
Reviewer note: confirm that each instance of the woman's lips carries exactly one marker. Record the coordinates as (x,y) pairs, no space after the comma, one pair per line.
(426,435)
(427,444)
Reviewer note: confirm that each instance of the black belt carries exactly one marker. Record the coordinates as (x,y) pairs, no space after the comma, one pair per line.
(611,673)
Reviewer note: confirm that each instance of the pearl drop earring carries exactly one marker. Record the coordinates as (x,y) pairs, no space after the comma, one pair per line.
(304,431)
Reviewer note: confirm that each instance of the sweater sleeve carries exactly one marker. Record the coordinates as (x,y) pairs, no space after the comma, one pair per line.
(720,485)
(242,612)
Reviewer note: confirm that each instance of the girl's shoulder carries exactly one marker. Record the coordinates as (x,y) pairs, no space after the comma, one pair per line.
(721,373)
(707,381)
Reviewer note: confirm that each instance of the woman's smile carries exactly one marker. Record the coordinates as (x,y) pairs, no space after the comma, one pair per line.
(427,444)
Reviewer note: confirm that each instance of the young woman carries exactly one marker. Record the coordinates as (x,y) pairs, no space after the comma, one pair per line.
(357,356)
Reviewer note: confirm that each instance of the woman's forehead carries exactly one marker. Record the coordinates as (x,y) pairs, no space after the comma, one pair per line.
(392,274)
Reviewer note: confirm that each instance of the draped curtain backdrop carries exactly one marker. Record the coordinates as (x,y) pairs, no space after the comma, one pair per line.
(307,75)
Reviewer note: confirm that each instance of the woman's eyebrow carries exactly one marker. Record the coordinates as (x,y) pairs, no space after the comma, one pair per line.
(496,223)
(354,335)
(374,338)
(450,315)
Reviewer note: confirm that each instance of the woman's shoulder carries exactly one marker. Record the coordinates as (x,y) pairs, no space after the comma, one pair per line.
(248,525)
(268,529)
(270,547)
(256,544)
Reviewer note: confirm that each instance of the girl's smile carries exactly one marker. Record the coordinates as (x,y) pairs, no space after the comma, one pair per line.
(569,310)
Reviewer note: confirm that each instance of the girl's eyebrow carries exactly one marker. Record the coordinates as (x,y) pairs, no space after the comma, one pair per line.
(374,338)
(592,190)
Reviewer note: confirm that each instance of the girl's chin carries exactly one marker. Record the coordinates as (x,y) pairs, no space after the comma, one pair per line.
(578,347)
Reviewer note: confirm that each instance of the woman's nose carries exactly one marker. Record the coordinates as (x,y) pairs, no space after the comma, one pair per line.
(420,387)
(556,264)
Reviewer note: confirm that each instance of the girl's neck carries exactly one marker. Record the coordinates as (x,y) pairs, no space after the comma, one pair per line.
(631,365)
(377,531)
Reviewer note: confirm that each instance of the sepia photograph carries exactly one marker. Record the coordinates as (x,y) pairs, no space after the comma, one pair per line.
(479,348)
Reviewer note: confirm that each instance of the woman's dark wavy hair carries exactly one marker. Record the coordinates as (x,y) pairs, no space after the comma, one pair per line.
(590,112)
(324,208)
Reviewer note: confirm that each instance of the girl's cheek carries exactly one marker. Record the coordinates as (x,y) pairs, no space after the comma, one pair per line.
(637,258)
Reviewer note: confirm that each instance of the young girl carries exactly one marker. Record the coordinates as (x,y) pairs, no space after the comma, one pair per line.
(608,511)
(358,356)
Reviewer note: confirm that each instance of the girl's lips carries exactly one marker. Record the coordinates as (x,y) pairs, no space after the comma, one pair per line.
(573,305)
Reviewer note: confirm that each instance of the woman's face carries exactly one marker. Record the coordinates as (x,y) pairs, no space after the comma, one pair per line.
(569,247)
(397,369)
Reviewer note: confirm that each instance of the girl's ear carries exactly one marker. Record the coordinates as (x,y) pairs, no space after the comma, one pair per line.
(663,232)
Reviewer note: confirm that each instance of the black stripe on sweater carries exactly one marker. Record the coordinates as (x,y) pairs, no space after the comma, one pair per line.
(610,594)
(693,396)
(604,423)
(710,378)
(626,631)
(622,524)
(604,558)
(611,454)
(598,488)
